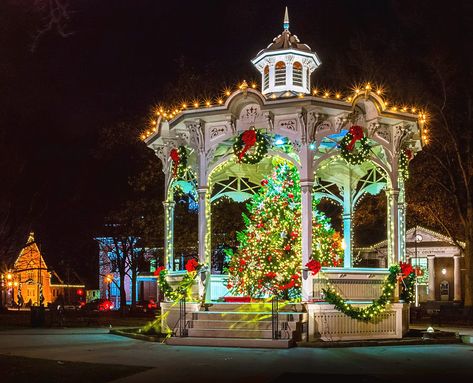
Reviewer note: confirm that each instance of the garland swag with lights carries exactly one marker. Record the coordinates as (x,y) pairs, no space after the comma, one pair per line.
(268,259)
(183,289)
(251,146)
(404,159)
(354,146)
(402,272)
(179,161)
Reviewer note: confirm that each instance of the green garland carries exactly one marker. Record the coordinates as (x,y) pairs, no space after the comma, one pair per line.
(358,154)
(378,306)
(404,160)
(183,289)
(181,166)
(255,153)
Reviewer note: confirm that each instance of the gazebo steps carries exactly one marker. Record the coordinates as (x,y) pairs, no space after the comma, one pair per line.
(252,307)
(247,316)
(236,325)
(230,342)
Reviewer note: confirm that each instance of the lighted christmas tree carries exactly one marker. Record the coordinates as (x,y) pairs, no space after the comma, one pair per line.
(268,260)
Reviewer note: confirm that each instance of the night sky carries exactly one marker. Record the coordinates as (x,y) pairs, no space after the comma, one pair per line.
(123,57)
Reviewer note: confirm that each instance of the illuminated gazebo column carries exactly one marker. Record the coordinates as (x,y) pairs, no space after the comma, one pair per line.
(169,233)
(347,223)
(307,184)
(393,225)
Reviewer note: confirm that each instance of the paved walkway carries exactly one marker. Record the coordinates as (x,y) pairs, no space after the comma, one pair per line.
(199,364)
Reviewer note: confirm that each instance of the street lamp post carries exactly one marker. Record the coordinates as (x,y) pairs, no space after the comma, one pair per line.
(108,280)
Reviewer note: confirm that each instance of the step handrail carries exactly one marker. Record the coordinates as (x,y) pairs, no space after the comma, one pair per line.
(276,334)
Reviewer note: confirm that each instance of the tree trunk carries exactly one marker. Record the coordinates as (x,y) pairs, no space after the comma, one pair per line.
(469,259)
(122,292)
(133,286)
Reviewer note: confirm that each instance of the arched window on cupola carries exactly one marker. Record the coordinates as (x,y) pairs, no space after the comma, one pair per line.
(280,74)
(297,74)
(266,77)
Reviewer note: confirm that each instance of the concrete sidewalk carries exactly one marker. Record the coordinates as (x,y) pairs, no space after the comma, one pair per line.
(199,364)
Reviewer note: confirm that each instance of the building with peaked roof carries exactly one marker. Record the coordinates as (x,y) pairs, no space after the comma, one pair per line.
(438,257)
(31,281)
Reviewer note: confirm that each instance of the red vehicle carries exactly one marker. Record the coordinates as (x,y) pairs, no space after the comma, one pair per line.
(146,306)
(98,305)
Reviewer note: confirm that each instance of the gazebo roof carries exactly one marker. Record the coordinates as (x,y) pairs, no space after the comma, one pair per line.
(286,40)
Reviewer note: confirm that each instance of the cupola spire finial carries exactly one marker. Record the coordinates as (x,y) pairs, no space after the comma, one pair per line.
(286,20)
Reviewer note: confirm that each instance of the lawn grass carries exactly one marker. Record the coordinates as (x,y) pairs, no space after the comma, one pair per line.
(19,369)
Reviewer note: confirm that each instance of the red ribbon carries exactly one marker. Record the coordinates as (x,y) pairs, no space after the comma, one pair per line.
(249,139)
(191,265)
(356,132)
(409,154)
(175,160)
(314,266)
(406,269)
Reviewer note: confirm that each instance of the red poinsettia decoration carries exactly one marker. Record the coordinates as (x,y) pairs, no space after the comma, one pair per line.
(356,132)
(249,139)
(314,266)
(406,269)
(264,182)
(159,270)
(290,284)
(191,265)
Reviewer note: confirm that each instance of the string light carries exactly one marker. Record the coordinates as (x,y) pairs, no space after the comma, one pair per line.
(170,113)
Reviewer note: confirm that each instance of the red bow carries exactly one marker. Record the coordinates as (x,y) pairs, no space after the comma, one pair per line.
(314,266)
(406,269)
(249,139)
(175,160)
(159,270)
(191,265)
(356,132)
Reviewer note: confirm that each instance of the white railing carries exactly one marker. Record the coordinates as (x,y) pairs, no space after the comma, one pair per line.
(353,284)
(218,287)
(328,324)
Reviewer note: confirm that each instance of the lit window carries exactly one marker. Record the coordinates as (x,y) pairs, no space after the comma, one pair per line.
(297,74)
(266,77)
(280,74)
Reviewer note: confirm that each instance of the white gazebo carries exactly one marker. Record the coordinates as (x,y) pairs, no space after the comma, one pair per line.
(304,127)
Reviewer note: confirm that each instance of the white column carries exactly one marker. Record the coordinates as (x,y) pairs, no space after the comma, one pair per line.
(203,225)
(431,269)
(307,182)
(289,74)
(457,286)
(402,222)
(347,224)
(169,234)
(393,226)
(272,74)
(306,206)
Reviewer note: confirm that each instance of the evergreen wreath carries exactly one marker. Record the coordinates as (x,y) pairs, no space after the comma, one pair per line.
(251,146)
(354,146)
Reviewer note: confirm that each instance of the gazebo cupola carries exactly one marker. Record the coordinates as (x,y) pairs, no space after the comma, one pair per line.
(286,65)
